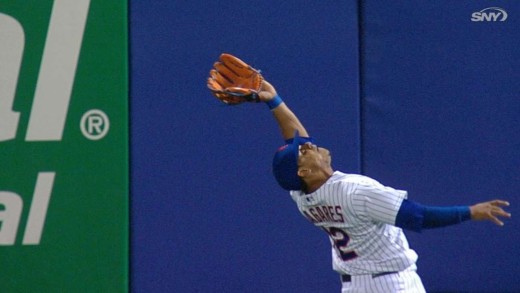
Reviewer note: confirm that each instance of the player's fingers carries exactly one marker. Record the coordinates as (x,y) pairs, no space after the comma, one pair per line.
(500,212)
(496,221)
(500,203)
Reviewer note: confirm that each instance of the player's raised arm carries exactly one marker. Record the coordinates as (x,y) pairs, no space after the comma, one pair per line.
(286,119)
(234,82)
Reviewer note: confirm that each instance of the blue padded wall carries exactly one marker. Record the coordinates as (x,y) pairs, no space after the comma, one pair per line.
(207,215)
(437,115)
(440,112)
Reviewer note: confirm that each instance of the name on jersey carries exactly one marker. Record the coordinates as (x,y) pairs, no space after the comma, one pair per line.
(320,214)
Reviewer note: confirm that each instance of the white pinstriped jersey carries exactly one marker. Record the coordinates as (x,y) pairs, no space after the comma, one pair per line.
(358,213)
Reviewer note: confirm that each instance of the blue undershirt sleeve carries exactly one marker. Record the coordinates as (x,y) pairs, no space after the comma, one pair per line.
(414,216)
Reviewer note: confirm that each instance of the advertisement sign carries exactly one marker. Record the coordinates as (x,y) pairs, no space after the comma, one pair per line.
(63,146)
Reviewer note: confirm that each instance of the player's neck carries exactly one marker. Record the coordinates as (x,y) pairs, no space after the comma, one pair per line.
(315,182)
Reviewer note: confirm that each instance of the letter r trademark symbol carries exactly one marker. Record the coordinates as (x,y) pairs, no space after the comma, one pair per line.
(94,124)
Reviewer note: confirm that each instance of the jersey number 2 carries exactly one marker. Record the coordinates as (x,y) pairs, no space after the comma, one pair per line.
(341,239)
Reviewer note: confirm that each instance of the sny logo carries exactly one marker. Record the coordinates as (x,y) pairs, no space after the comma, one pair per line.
(489,14)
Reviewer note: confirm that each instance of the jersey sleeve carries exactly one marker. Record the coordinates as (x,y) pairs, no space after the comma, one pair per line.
(379,203)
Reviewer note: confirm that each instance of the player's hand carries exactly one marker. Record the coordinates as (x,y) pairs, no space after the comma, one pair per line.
(267,92)
(490,210)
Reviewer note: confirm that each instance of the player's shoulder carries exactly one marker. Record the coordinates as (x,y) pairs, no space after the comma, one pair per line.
(356,179)
(345,183)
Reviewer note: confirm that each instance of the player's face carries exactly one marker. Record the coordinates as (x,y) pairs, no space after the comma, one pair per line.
(312,156)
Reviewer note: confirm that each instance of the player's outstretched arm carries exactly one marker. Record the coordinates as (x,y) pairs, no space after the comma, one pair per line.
(490,210)
(286,119)
(414,216)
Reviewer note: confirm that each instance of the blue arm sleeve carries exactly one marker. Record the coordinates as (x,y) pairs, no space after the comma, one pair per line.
(414,216)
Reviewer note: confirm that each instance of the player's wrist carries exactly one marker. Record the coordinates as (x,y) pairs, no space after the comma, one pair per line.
(274,102)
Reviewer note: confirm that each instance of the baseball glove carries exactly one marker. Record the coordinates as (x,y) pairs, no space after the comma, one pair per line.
(233,81)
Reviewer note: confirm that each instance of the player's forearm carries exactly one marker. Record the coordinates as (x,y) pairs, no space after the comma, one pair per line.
(288,122)
(414,216)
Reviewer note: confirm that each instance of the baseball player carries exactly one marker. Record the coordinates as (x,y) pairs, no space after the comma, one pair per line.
(362,218)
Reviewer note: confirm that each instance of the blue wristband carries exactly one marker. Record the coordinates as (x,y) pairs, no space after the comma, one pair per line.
(275,102)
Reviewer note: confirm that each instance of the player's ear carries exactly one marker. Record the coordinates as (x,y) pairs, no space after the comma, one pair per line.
(304,172)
